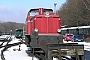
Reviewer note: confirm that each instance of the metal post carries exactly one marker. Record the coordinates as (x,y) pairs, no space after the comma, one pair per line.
(60,58)
(19,48)
(33,54)
(11,32)
(77,57)
(49,54)
(23,31)
(45,55)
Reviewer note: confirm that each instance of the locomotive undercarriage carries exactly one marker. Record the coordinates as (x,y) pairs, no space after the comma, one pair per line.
(40,46)
(37,41)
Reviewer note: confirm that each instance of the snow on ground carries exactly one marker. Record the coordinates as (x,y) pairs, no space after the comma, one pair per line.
(10,54)
(17,55)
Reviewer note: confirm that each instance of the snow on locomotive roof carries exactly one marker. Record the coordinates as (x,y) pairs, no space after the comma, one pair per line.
(79,27)
(33,9)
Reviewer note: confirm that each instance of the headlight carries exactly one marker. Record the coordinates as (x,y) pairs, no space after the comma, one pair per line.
(36,30)
(59,30)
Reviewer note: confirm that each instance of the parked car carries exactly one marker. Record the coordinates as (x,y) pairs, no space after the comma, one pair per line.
(5,36)
(68,37)
(77,38)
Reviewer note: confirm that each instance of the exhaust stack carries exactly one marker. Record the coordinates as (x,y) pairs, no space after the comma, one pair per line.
(55,3)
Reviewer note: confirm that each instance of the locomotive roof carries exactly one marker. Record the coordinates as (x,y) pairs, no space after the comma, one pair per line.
(38,9)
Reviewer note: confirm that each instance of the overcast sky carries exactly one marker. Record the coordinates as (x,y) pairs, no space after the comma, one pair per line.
(16,10)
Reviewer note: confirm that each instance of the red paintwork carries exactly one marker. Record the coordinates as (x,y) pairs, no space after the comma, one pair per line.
(41,11)
(46,24)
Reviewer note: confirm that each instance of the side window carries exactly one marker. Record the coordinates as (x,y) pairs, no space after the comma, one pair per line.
(33,13)
(47,12)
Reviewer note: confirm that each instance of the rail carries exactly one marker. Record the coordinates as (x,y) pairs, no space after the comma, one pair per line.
(5,47)
(2,55)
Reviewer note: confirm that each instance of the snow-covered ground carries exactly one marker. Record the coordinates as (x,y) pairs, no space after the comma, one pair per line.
(10,54)
(17,55)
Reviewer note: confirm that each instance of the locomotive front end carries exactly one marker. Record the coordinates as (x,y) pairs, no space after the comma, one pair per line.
(43,28)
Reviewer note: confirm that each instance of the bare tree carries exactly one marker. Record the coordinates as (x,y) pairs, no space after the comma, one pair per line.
(75,12)
(7,26)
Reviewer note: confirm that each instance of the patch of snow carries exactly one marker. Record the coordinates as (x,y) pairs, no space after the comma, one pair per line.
(17,55)
(10,54)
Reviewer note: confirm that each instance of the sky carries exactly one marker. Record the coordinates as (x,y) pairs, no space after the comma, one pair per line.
(16,10)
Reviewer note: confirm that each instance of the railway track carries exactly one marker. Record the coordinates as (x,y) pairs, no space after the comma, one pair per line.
(7,45)
(37,54)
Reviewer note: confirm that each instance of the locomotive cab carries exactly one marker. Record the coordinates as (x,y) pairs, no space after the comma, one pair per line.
(40,11)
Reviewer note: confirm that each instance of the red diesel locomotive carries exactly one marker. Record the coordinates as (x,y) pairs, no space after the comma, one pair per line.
(42,27)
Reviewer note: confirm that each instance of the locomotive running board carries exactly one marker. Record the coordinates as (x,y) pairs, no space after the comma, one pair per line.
(63,49)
